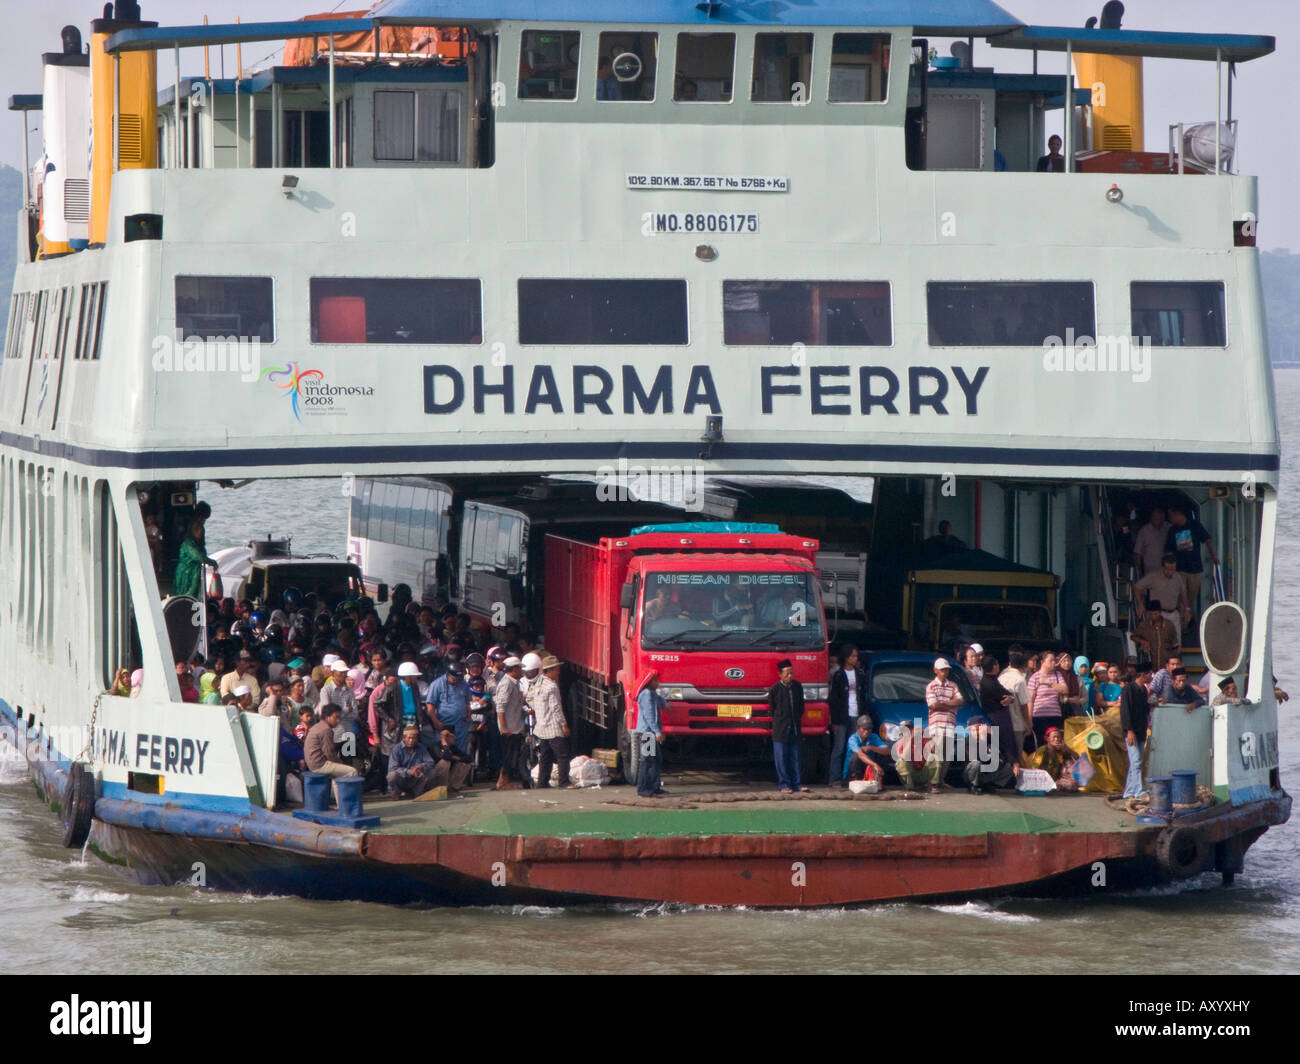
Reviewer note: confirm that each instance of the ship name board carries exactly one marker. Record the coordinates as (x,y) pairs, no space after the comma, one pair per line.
(709,182)
(145,751)
(784,389)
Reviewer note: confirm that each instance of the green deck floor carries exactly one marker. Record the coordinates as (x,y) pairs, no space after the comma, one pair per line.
(587,814)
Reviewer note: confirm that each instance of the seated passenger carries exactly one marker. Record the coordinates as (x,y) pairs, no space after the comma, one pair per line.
(659,606)
(732,607)
(320,751)
(452,763)
(915,761)
(868,753)
(410,766)
(987,764)
(1056,759)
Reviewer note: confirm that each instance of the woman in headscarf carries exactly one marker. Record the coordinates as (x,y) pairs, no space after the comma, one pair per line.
(188,579)
(1083,670)
(208,695)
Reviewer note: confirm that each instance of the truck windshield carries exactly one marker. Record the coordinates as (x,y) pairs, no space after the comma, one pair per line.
(331,582)
(990,622)
(759,610)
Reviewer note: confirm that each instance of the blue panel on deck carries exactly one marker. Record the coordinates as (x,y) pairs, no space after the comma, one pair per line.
(701,527)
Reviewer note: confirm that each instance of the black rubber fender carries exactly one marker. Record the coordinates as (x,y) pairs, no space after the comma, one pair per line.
(1182,850)
(78,805)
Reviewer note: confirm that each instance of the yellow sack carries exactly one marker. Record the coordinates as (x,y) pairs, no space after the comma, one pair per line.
(1111,761)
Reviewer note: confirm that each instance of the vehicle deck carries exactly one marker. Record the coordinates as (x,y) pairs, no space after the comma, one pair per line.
(702,804)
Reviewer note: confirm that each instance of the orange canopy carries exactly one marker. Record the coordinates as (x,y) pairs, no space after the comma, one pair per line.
(446,42)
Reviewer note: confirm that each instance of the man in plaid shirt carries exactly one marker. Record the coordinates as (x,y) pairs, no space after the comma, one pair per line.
(942,700)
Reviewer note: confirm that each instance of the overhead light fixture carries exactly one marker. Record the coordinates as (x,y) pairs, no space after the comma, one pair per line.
(712,435)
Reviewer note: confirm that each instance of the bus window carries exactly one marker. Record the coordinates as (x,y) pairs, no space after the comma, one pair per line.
(402,528)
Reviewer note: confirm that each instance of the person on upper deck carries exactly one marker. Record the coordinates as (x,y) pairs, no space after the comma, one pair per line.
(942,542)
(1053,162)
(1149,544)
(188,578)
(1186,535)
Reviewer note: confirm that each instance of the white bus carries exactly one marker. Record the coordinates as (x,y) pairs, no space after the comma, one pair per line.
(398,531)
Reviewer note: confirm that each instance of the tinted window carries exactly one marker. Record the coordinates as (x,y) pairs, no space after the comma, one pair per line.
(859,68)
(218,307)
(391,310)
(417,126)
(626,67)
(602,312)
(782,67)
(1007,314)
(817,313)
(548,65)
(706,63)
(1179,313)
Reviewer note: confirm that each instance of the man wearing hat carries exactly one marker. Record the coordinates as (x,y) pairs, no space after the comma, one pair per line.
(508,700)
(410,766)
(785,697)
(338,692)
(942,700)
(1227,695)
(550,729)
(243,675)
(447,706)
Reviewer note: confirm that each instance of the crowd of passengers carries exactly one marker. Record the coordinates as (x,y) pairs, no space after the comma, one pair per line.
(410,702)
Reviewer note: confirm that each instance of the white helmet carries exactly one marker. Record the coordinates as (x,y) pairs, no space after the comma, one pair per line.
(408,668)
(531,661)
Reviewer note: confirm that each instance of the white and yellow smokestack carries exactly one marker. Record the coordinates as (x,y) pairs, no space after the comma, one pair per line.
(1116,85)
(66,123)
(137,135)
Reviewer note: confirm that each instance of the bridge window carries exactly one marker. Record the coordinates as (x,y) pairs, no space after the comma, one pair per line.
(548,65)
(859,68)
(602,312)
(218,307)
(706,65)
(782,67)
(1179,313)
(816,313)
(396,310)
(1008,314)
(627,66)
(417,126)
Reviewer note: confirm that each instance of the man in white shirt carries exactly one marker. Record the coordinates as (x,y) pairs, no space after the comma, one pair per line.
(1013,679)
(1149,546)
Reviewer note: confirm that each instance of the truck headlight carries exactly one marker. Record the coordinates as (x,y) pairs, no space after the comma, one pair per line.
(815,692)
(672,692)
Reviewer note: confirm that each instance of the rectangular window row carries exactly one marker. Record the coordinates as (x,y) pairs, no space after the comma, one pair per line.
(654,312)
(627,65)
(403,515)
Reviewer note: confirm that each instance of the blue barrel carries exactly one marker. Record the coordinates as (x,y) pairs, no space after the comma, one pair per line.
(349,792)
(1161,791)
(315,792)
(1184,787)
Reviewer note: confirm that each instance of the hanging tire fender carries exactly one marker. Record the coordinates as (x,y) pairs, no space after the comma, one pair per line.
(1182,850)
(78,805)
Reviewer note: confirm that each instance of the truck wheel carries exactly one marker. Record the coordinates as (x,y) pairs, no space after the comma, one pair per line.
(628,752)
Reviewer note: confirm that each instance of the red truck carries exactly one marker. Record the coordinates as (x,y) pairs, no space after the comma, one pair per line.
(712,608)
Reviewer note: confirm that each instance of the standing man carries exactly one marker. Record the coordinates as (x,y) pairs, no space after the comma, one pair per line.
(786,699)
(649,732)
(942,700)
(509,703)
(1186,534)
(551,729)
(448,707)
(1135,718)
(1149,546)
(848,700)
(1012,679)
(1165,592)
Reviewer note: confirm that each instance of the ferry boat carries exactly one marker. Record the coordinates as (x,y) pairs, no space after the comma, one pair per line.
(487,240)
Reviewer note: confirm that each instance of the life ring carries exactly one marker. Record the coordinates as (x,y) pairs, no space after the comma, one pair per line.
(78,805)
(1182,851)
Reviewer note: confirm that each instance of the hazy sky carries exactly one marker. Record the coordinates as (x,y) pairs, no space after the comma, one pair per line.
(1175,91)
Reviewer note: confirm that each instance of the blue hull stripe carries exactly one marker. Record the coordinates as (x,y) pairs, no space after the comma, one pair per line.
(350,456)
